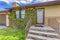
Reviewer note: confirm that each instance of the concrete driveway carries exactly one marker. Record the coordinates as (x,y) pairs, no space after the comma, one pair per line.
(1,26)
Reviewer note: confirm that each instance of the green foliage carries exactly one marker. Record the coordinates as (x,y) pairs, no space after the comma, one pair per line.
(33,15)
(8,38)
(12,34)
(21,23)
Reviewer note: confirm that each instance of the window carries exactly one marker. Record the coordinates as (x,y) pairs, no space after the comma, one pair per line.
(17,14)
(22,14)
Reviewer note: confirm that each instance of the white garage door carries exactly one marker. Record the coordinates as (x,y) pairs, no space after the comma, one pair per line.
(3,19)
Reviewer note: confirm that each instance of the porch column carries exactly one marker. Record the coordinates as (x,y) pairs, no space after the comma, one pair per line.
(7,20)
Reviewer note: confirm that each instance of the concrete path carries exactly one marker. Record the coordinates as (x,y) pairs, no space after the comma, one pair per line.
(1,26)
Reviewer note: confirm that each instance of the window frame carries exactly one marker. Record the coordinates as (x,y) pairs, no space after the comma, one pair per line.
(22,13)
(17,13)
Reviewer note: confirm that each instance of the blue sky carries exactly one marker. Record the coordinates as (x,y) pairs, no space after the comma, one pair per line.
(8,3)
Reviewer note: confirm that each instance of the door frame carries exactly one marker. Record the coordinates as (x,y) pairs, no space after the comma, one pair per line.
(43,15)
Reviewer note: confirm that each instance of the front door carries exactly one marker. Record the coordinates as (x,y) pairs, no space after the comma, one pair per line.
(40,16)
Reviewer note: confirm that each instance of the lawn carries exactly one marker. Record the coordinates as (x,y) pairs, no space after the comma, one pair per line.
(12,34)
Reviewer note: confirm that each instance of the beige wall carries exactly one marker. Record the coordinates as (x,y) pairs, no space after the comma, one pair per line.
(51,12)
(52,17)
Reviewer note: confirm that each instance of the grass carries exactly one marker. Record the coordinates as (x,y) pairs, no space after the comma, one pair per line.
(12,34)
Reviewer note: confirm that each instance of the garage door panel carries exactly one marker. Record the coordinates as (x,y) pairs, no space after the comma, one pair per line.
(2,19)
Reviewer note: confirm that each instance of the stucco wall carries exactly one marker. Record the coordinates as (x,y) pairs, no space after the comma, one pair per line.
(52,11)
(52,15)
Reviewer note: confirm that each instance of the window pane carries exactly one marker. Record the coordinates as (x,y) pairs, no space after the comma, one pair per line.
(22,13)
(22,16)
(17,14)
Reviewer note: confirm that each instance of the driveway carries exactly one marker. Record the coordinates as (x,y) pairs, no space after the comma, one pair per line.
(1,26)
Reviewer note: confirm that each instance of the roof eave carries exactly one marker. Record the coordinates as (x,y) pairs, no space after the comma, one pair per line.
(49,3)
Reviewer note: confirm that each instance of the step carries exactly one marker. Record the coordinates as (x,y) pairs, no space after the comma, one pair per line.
(29,39)
(42,28)
(46,33)
(41,37)
(51,36)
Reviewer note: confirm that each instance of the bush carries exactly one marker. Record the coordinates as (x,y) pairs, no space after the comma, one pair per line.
(8,38)
(12,34)
(19,22)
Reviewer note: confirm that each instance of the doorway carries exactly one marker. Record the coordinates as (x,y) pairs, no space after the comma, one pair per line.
(40,16)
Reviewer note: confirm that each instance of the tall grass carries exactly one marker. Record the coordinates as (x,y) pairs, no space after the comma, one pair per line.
(12,34)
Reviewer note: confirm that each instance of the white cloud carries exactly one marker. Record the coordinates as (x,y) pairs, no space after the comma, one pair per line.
(37,1)
(14,1)
(29,0)
(23,1)
(7,1)
(18,1)
(47,0)
(51,0)
(2,9)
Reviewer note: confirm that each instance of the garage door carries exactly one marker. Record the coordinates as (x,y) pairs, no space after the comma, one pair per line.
(3,19)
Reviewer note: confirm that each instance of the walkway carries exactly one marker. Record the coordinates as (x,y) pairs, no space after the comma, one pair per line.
(1,26)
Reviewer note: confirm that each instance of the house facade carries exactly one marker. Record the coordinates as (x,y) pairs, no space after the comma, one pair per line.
(47,9)
(46,13)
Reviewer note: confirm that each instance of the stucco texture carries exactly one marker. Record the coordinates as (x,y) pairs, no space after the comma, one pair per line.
(51,12)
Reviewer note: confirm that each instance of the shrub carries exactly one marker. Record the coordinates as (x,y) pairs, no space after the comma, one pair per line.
(12,34)
(8,38)
(19,22)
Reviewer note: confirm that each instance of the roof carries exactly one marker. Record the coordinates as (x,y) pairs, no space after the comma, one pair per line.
(49,3)
(7,10)
(14,7)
